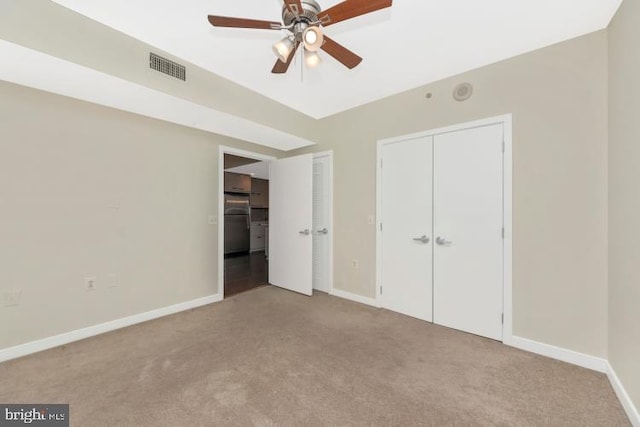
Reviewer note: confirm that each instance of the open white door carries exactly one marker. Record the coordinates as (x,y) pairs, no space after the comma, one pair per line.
(290,223)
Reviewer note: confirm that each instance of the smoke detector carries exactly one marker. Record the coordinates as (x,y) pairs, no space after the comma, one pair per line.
(463,91)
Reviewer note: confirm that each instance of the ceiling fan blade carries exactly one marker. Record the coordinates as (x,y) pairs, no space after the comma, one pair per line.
(294,6)
(282,67)
(226,21)
(350,9)
(341,53)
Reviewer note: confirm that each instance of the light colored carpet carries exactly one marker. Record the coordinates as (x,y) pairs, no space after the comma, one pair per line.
(271,357)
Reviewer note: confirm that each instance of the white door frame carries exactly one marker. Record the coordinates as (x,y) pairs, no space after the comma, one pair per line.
(221,152)
(329,155)
(252,155)
(507,121)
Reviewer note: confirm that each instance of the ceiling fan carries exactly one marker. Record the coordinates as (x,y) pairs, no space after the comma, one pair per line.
(304,19)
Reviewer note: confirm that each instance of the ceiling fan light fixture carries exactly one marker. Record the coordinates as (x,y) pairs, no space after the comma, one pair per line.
(304,20)
(283,49)
(311,58)
(312,38)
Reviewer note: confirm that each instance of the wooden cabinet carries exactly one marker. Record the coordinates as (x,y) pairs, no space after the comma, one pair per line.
(237,183)
(259,193)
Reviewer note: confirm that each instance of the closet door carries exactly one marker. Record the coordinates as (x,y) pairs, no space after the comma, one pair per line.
(468,250)
(321,223)
(407,242)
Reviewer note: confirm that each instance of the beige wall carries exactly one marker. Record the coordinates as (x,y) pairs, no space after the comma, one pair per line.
(558,97)
(624,197)
(87,190)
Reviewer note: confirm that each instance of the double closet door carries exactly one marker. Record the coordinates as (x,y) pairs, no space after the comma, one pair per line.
(442,229)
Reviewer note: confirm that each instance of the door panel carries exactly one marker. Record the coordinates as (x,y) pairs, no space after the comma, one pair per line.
(321,216)
(290,222)
(468,199)
(407,215)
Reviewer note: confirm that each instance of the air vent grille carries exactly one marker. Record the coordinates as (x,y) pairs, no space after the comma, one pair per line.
(167,67)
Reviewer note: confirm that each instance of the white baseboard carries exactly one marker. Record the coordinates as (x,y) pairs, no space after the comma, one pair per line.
(79,334)
(623,396)
(569,356)
(559,353)
(354,297)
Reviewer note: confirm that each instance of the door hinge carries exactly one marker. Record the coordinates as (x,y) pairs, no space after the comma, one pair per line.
(503,318)
(380,226)
(503,232)
(504,146)
(381,163)
(380,290)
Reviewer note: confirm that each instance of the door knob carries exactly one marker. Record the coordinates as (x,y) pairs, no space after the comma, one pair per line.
(305,232)
(323,231)
(424,239)
(443,242)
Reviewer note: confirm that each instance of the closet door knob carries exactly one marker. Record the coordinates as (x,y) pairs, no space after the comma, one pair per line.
(424,239)
(442,242)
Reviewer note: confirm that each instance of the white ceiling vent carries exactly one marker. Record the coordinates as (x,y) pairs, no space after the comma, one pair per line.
(167,67)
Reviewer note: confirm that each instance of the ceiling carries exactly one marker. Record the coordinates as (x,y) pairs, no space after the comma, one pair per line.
(256,170)
(416,42)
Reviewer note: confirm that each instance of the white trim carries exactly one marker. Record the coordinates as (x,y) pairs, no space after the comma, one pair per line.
(222,150)
(623,396)
(378,221)
(354,297)
(329,154)
(507,121)
(245,153)
(507,218)
(569,356)
(586,361)
(80,334)
(24,66)
(448,129)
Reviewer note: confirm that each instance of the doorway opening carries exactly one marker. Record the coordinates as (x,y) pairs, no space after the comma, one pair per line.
(275,223)
(245,220)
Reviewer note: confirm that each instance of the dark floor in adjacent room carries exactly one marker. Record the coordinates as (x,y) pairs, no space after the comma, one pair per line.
(243,272)
(269,357)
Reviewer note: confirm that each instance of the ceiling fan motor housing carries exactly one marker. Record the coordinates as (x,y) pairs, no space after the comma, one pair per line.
(298,30)
(304,19)
(308,15)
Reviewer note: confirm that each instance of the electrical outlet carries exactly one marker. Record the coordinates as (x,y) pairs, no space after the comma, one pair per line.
(355,263)
(213,219)
(91,283)
(12,298)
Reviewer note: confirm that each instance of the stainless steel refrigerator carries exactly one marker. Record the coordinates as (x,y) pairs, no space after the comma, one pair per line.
(237,223)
